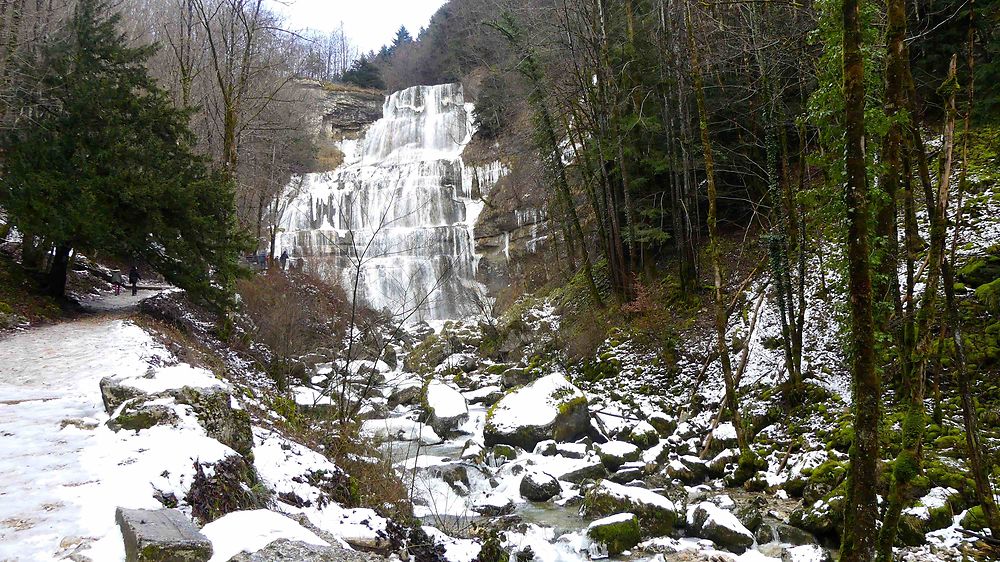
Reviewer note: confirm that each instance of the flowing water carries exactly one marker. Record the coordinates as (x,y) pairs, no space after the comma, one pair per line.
(396,219)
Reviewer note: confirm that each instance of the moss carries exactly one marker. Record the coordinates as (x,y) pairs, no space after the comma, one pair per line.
(618,536)
(233,486)
(654,521)
(989,295)
(940,517)
(905,467)
(974,519)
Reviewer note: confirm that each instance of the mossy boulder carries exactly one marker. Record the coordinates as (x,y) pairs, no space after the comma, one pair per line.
(229,485)
(824,518)
(823,479)
(137,415)
(643,435)
(427,355)
(979,271)
(657,515)
(548,408)
(616,453)
(974,519)
(619,532)
(222,422)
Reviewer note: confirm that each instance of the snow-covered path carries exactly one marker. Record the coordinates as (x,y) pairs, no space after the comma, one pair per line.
(50,410)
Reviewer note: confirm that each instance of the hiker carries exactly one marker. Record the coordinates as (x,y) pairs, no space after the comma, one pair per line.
(133,279)
(284,259)
(117,281)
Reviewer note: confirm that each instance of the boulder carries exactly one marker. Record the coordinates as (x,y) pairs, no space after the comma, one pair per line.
(114,393)
(163,535)
(514,377)
(539,486)
(688,469)
(590,471)
(616,453)
(445,408)
(405,394)
(709,521)
(137,415)
(619,532)
(657,514)
(548,408)
(643,435)
(283,550)
(664,424)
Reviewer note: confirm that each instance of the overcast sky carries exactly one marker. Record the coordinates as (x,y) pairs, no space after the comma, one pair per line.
(370,23)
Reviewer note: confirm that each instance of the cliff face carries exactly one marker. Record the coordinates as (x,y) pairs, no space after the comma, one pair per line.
(342,112)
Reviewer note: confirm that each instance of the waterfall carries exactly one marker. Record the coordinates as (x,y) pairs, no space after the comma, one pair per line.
(399,210)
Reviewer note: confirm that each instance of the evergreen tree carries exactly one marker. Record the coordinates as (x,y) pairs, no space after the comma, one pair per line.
(107,165)
(403,37)
(364,73)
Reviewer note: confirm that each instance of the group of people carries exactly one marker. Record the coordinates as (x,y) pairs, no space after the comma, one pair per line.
(263,261)
(133,280)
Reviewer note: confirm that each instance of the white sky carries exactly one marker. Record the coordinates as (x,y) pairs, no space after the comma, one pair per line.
(369,23)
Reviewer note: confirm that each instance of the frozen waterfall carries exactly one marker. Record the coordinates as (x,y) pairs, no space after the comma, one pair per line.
(399,210)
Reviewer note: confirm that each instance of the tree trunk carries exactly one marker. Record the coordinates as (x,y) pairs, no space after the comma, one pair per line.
(861,508)
(732,400)
(56,285)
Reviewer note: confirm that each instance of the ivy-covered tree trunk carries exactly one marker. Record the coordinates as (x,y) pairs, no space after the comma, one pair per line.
(861,507)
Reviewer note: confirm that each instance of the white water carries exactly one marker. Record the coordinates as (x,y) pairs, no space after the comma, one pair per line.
(398,215)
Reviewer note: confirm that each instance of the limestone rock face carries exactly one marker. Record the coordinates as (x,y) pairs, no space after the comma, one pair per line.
(163,535)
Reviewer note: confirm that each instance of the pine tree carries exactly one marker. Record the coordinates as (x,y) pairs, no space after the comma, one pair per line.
(107,165)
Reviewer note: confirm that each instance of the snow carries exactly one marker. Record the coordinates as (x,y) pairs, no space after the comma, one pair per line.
(536,404)
(173,376)
(806,553)
(612,520)
(62,471)
(640,496)
(718,517)
(250,531)
(618,449)
(446,401)
(401,429)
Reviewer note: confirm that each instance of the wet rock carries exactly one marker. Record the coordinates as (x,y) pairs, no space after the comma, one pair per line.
(616,453)
(708,521)
(618,533)
(487,396)
(793,535)
(494,507)
(751,513)
(626,475)
(548,408)
(455,475)
(163,535)
(539,486)
(502,453)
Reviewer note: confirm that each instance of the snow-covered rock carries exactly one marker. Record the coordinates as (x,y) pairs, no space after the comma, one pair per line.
(616,453)
(446,407)
(548,408)
(709,521)
(400,429)
(539,486)
(250,531)
(618,532)
(656,513)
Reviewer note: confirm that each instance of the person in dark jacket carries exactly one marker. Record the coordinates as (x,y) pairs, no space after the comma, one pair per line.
(284,259)
(133,279)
